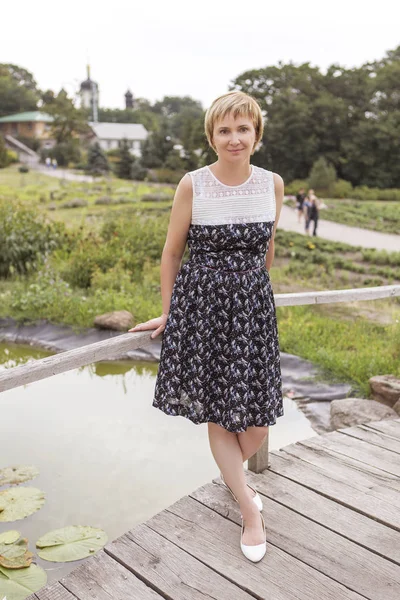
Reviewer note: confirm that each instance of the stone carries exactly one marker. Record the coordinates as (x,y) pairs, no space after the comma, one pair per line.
(356,411)
(396,407)
(385,389)
(118,320)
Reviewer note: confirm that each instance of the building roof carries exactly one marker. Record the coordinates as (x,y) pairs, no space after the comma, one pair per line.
(88,84)
(119,131)
(24,117)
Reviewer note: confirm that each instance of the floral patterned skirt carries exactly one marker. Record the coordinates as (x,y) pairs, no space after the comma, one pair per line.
(220,359)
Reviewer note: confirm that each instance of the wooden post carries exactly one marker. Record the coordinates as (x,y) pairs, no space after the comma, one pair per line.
(259,461)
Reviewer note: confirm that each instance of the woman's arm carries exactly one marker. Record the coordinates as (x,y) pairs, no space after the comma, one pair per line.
(175,243)
(279,192)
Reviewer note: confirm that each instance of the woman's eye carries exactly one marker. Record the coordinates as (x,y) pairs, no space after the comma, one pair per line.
(243,129)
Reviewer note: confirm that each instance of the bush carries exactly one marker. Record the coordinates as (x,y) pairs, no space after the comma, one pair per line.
(75,203)
(292,188)
(23,169)
(165,175)
(138,172)
(342,189)
(157,197)
(104,200)
(322,177)
(25,238)
(97,163)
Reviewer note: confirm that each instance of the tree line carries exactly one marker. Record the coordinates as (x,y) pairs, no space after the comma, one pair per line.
(350,117)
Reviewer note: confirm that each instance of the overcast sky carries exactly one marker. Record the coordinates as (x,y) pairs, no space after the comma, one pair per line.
(180,47)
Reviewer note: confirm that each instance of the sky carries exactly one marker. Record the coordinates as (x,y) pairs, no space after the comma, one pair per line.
(180,47)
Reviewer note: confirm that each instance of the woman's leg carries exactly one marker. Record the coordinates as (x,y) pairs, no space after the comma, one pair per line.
(251,440)
(227,453)
(315,226)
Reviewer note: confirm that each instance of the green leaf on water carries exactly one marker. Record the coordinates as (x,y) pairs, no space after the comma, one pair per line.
(21,583)
(17,474)
(15,555)
(9,537)
(18,503)
(71,543)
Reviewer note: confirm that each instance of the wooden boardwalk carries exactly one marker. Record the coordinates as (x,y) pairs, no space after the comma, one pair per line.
(332,511)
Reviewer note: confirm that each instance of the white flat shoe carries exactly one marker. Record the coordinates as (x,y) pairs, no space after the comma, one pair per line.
(256,498)
(254,553)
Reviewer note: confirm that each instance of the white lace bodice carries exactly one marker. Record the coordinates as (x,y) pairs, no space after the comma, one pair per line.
(215,203)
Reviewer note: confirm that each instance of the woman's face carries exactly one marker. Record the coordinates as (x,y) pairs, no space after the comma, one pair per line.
(234,139)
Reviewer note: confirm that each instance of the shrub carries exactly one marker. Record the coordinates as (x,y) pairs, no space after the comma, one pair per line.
(104,200)
(157,197)
(165,175)
(75,203)
(89,256)
(342,189)
(322,177)
(97,163)
(292,188)
(23,169)
(25,238)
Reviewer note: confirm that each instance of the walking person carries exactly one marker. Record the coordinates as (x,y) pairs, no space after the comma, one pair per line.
(300,197)
(313,206)
(306,211)
(220,361)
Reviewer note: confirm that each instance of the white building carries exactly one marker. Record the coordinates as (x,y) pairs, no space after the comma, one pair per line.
(110,135)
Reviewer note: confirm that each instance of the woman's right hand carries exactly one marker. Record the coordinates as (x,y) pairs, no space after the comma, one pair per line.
(158,323)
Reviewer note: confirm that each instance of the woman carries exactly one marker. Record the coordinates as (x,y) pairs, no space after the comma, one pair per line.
(312,212)
(220,361)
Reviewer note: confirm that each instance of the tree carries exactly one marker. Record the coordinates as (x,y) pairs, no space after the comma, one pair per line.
(69,121)
(124,166)
(97,160)
(157,147)
(18,90)
(322,177)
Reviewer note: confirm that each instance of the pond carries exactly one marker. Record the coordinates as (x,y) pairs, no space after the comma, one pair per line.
(106,457)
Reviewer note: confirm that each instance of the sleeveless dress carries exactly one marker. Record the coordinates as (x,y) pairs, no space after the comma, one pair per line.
(220,359)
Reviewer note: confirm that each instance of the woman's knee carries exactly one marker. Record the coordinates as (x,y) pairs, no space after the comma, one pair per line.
(259,433)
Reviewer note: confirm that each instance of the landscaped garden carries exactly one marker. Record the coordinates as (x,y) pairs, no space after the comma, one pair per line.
(70,251)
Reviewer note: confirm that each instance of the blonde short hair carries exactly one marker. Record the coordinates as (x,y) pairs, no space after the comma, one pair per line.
(240,104)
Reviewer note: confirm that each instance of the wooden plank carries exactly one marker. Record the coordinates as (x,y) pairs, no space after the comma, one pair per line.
(388,427)
(52,592)
(356,527)
(259,461)
(333,296)
(72,359)
(103,578)
(332,554)
(372,437)
(356,449)
(340,482)
(169,570)
(214,540)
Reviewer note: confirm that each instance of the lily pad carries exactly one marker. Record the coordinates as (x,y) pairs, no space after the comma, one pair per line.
(71,543)
(15,555)
(9,537)
(18,503)
(19,584)
(17,474)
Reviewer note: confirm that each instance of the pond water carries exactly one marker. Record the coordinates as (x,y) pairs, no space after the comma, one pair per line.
(106,457)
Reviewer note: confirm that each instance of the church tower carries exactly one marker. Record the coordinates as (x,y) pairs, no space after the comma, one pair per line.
(89,93)
(129,99)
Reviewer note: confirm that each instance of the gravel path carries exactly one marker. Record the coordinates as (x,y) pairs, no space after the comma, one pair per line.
(337,232)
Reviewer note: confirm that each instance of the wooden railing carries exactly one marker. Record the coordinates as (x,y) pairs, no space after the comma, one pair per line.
(109,349)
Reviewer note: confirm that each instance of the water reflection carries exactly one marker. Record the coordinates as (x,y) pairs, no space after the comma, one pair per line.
(106,457)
